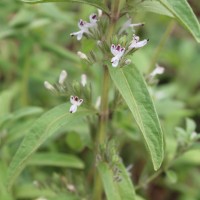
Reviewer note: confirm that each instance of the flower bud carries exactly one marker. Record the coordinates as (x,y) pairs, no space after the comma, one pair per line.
(82,55)
(83,80)
(48,86)
(62,77)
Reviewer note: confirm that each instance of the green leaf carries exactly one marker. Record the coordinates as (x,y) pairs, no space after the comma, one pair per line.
(95,3)
(125,186)
(154,7)
(56,159)
(40,131)
(116,190)
(184,13)
(133,89)
(108,182)
(59,51)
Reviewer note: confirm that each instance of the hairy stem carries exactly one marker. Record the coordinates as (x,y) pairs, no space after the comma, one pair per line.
(104,110)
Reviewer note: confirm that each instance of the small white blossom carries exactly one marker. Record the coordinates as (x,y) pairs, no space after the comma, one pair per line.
(118,52)
(41,198)
(128,61)
(71,188)
(82,55)
(193,135)
(128,24)
(129,168)
(48,86)
(136,43)
(99,12)
(83,80)
(75,101)
(157,70)
(84,26)
(99,43)
(98,102)
(62,77)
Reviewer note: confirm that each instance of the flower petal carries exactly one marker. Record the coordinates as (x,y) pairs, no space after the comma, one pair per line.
(93,18)
(73,109)
(80,101)
(115,61)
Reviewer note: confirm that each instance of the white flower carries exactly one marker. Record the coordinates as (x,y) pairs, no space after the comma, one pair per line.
(48,86)
(193,135)
(98,102)
(75,101)
(157,70)
(82,55)
(41,198)
(62,77)
(128,24)
(93,20)
(84,26)
(99,12)
(118,52)
(71,188)
(136,43)
(83,80)
(83,29)
(128,61)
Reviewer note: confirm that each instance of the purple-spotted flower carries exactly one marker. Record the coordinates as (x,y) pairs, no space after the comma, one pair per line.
(128,24)
(75,101)
(118,52)
(136,43)
(84,26)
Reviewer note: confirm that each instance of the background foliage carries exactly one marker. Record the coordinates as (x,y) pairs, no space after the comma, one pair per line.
(35,46)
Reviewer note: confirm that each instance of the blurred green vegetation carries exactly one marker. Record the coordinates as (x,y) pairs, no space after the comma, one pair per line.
(35,45)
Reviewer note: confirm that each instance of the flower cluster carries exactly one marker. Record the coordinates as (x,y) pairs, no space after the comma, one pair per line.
(119,51)
(61,86)
(85,26)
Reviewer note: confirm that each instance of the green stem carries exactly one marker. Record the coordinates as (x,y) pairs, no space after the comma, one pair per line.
(104,106)
(104,110)
(161,45)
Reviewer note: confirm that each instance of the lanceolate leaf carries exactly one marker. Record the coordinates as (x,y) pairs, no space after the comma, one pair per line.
(96,3)
(40,131)
(184,13)
(125,186)
(108,182)
(116,188)
(133,89)
(56,159)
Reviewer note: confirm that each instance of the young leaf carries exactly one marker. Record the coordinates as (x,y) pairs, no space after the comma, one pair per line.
(108,182)
(126,189)
(133,89)
(95,3)
(184,13)
(40,131)
(116,189)
(56,159)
